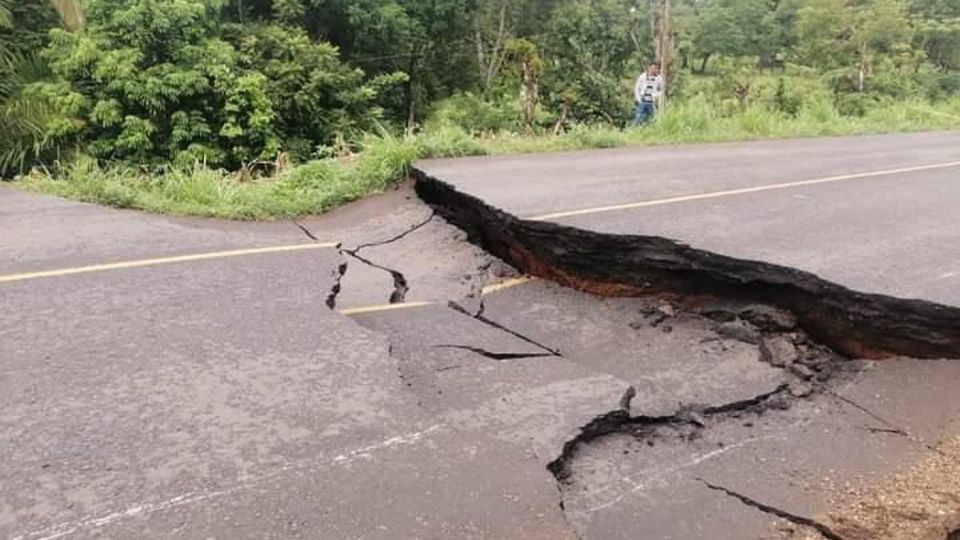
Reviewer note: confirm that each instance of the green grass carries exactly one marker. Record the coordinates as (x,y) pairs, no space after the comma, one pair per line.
(318,186)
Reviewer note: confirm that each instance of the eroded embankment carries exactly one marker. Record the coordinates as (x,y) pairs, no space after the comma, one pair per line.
(857,324)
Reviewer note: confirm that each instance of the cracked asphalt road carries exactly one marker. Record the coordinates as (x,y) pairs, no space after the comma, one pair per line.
(222,397)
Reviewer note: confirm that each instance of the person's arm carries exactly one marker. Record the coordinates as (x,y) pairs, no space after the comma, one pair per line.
(639,87)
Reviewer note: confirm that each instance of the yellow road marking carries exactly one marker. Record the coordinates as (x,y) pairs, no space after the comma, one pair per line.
(506,284)
(384,307)
(489,289)
(162,260)
(742,191)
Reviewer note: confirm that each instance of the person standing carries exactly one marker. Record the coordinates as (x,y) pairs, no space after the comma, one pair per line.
(647,94)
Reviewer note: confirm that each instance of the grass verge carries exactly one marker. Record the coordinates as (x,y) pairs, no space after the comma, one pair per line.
(318,186)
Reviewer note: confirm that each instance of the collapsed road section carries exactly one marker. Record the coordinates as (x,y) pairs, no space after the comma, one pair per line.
(858,324)
(645,407)
(677,388)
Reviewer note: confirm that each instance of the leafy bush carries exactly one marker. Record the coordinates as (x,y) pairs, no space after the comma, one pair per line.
(786,102)
(157,82)
(939,86)
(475,115)
(448,142)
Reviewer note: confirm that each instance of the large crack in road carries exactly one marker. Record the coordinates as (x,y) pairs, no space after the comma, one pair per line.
(855,323)
(801,324)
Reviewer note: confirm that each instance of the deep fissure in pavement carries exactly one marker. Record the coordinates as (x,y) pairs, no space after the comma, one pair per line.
(813,370)
(857,324)
(337,285)
(690,421)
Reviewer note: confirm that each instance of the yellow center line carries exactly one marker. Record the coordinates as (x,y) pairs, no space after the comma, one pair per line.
(162,260)
(510,283)
(384,307)
(742,191)
(489,289)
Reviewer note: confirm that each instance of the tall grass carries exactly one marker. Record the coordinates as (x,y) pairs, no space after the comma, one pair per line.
(318,186)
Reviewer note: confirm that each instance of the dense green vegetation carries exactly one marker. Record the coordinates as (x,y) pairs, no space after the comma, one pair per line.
(261,108)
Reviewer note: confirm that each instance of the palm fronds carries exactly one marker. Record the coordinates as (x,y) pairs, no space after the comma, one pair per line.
(6,18)
(24,116)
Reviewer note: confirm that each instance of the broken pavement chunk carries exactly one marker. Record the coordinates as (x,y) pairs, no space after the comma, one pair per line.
(740,331)
(769,318)
(778,351)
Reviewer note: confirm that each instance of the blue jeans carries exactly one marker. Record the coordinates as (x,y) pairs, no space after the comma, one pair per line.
(644,113)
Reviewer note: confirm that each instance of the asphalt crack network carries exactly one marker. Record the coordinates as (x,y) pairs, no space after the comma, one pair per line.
(400,286)
(691,419)
(339,272)
(810,367)
(821,528)
(479,316)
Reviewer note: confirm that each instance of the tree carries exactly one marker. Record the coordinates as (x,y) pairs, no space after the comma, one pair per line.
(529,67)
(823,31)
(428,40)
(939,30)
(588,49)
(718,33)
(494,29)
(881,28)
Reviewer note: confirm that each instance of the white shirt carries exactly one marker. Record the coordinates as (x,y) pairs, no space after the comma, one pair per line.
(648,89)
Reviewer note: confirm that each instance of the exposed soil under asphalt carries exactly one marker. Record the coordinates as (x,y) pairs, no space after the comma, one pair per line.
(921,502)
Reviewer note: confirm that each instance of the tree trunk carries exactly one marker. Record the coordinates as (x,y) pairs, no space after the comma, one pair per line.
(529,94)
(703,65)
(490,62)
(666,47)
(412,91)
(653,28)
(562,119)
(862,71)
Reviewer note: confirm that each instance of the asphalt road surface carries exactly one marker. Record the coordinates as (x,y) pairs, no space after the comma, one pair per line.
(165,377)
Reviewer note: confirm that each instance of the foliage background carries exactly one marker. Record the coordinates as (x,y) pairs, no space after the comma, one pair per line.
(239,93)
